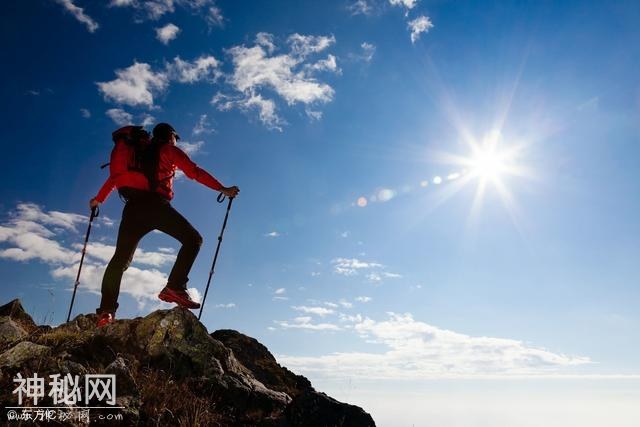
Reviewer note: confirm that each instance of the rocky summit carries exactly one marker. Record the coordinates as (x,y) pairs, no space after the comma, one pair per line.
(169,371)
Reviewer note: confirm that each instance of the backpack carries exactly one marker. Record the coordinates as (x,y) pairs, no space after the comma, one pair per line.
(142,154)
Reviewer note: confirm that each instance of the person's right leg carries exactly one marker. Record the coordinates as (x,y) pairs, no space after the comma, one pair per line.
(132,229)
(174,224)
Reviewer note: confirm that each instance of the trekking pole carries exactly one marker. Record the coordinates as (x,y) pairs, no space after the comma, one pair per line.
(220,199)
(94,213)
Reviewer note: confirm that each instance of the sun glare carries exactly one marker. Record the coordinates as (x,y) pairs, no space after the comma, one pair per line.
(487,164)
(491,163)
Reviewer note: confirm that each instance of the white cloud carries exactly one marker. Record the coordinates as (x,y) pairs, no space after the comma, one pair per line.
(122,3)
(203,126)
(119,116)
(417,350)
(391,275)
(303,46)
(31,212)
(191,148)
(363,299)
(313,114)
(203,68)
(420,25)
(409,4)
(280,291)
(229,305)
(214,17)
(304,322)
(167,33)
(142,284)
(147,120)
(377,277)
(254,69)
(32,234)
(156,9)
(272,234)
(368,50)
(29,245)
(135,85)
(106,221)
(79,14)
(344,303)
(348,318)
(328,64)
(289,75)
(102,252)
(138,84)
(266,40)
(350,266)
(85,113)
(360,7)
(374,277)
(319,311)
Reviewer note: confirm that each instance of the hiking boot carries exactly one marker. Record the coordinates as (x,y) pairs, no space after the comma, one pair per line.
(105,318)
(179,296)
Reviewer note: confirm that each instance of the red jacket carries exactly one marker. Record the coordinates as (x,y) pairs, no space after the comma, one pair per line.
(170,158)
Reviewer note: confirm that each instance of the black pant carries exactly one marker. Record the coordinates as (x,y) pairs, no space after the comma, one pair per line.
(142,214)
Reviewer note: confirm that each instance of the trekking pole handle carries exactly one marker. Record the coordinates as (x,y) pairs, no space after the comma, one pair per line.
(95,212)
(221,198)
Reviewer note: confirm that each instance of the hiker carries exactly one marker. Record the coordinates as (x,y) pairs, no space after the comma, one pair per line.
(148,190)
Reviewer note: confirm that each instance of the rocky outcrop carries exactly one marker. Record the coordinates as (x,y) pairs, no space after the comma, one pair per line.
(308,408)
(169,370)
(261,363)
(15,323)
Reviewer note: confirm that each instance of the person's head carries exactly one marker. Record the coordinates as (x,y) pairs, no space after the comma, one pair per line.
(165,133)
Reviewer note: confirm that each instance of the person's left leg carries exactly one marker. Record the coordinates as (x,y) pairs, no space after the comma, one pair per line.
(131,230)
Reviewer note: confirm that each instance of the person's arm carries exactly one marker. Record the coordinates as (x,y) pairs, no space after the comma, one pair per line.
(103,193)
(193,171)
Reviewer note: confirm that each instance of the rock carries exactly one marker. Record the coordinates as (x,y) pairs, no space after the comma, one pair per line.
(15,311)
(261,362)
(314,409)
(127,392)
(179,339)
(170,371)
(125,384)
(176,341)
(23,352)
(10,330)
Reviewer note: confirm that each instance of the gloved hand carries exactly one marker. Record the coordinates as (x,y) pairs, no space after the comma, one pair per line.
(230,191)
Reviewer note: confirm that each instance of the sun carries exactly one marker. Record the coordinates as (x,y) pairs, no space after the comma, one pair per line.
(488,164)
(492,164)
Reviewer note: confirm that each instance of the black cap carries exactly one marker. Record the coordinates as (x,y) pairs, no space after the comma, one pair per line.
(162,131)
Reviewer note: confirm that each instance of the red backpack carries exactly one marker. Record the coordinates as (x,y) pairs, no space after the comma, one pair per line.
(135,154)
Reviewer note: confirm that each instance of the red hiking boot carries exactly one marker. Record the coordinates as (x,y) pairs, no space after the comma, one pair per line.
(179,296)
(105,318)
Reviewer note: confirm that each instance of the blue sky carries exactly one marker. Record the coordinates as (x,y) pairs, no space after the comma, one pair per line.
(360,251)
